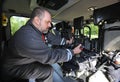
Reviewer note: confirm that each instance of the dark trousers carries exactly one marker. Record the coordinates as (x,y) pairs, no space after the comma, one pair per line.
(38,71)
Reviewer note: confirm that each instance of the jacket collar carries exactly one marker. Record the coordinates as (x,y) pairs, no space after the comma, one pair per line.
(30,23)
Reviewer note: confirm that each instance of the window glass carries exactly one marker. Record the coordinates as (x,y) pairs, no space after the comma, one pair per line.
(94,31)
(16,22)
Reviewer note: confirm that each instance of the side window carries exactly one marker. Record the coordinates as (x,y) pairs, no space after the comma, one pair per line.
(16,22)
(93,29)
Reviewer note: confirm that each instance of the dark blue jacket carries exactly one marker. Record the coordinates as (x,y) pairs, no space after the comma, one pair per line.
(27,51)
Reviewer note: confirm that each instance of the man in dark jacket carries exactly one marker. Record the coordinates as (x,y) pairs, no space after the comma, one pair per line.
(27,56)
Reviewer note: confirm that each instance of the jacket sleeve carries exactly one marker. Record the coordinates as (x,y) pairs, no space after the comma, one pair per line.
(54,38)
(31,46)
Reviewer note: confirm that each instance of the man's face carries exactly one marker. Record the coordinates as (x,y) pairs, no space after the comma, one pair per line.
(45,22)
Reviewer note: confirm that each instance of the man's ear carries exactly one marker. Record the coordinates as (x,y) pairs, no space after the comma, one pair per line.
(37,20)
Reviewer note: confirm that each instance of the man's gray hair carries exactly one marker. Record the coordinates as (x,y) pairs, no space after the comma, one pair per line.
(38,11)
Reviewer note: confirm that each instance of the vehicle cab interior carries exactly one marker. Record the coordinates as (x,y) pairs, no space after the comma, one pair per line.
(95,24)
